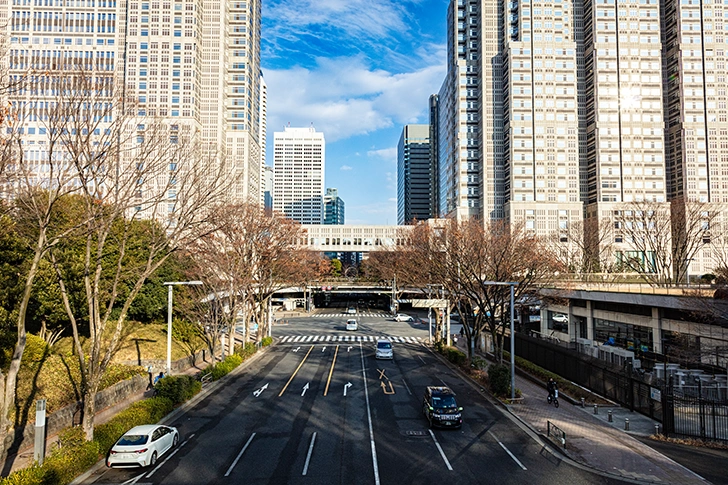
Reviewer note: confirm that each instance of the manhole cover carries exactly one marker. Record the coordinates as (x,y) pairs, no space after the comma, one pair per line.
(416,433)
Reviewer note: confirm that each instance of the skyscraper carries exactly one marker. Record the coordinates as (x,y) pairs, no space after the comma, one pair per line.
(413,174)
(334,208)
(192,65)
(299,160)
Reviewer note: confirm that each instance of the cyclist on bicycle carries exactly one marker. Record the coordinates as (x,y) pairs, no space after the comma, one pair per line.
(552,387)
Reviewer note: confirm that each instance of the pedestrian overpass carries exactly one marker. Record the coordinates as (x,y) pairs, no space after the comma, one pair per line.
(353,238)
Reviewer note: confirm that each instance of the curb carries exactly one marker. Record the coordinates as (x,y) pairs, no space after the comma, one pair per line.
(536,435)
(183,408)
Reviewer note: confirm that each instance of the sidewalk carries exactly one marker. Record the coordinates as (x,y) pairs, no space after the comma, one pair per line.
(24,458)
(594,442)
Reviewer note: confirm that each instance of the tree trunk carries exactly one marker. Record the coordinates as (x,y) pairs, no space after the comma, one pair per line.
(89,409)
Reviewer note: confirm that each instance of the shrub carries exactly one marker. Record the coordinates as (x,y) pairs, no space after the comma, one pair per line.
(74,456)
(499,376)
(266,341)
(246,350)
(141,412)
(455,355)
(178,389)
(221,369)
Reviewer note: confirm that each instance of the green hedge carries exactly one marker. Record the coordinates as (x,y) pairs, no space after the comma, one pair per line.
(74,456)
(499,376)
(178,389)
(221,369)
(455,355)
(266,341)
(245,351)
(141,412)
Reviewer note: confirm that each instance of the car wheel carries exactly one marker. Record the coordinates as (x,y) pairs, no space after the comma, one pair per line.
(153,459)
(175,440)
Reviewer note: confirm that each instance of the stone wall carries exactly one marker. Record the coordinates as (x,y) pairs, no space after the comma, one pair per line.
(71,415)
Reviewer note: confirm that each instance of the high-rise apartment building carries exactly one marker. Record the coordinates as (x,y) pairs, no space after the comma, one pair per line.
(541,183)
(192,65)
(470,131)
(299,160)
(266,182)
(414,174)
(334,208)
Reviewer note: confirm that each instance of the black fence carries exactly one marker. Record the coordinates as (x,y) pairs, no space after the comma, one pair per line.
(688,411)
(617,385)
(691,412)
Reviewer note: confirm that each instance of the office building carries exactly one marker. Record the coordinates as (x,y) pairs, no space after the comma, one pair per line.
(267,173)
(191,65)
(414,174)
(299,160)
(334,209)
(268,188)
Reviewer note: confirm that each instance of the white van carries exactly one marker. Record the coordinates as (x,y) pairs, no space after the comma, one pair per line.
(384,349)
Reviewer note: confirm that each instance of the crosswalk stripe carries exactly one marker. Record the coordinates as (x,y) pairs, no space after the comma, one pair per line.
(347,338)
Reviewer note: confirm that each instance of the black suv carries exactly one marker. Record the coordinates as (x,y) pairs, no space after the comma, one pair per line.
(440,407)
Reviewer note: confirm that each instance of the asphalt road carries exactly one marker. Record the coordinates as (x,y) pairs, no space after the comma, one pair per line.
(318,411)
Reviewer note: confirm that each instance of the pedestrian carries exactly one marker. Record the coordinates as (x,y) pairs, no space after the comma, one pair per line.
(150,371)
(160,376)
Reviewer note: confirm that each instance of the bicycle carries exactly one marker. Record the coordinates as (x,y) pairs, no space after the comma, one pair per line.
(554,399)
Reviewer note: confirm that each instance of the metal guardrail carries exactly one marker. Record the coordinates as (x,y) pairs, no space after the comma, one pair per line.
(557,432)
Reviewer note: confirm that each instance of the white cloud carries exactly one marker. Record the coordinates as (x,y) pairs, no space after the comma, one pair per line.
(345,167)
(386,154)
(343,97)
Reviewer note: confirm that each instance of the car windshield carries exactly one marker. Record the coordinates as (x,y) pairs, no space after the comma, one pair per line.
(133,439)
(443,402)
(384,345)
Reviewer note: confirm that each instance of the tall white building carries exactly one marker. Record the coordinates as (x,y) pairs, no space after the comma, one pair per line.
(299,161)
(193,65)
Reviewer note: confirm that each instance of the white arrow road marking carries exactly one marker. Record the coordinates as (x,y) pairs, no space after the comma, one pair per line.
(324,349)
(297,349)
(149,475)
(308,456)
(305,388)
(442,453)
(348,348)
(258,392)
(507,451)
(346,386)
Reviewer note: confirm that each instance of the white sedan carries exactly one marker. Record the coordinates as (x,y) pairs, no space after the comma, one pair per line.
(401,317)
(351,324)
(142,446)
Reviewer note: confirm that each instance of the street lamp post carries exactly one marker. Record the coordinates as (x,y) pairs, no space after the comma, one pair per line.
(512,284)
(169,285)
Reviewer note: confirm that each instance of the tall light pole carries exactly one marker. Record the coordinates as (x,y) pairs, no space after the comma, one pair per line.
(169,285)
(512,284)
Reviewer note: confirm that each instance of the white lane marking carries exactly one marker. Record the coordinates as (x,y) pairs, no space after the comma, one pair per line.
(131,481)
(170,456)
(298,338)
(369,417)
(346,386)
(328,338)
(406,387)
(423,360)
(258,392)
(308,456)
(439,448)
(235,462)
(507,450)
(443,382)
(305,388)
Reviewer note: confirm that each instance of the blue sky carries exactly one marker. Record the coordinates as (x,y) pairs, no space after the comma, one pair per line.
(359,70)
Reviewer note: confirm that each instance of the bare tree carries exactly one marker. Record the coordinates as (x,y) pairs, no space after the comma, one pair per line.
(131,173)
(584,248)
(662,239)
(33,190)
(467,256)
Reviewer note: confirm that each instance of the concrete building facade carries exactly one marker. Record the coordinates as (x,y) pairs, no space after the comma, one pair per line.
(414,175)
(334,208)
(299,161)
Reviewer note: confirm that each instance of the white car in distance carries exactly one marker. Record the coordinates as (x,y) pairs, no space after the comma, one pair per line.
(351,324)
(401,317)
(384,349)
(142,446)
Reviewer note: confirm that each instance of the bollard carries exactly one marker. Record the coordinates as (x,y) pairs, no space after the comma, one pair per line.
(582,402)
(626,424)
(609,415)
(657,429)
(596,409)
